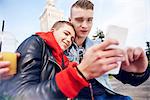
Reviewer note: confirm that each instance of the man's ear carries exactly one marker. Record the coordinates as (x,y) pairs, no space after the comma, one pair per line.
(69,19)
(52,29)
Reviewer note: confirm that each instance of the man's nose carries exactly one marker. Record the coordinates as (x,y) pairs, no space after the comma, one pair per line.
(68,39)
(84,24)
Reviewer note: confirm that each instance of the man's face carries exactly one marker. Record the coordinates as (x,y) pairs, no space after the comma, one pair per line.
(64,36)
(82,19)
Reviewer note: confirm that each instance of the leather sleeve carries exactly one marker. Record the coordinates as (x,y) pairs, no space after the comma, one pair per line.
(29,70)
(134,79)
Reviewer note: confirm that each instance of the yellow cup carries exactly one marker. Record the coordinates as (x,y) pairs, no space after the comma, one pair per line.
(12,57)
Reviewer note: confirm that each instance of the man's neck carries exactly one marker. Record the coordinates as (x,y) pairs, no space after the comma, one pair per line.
(79,41)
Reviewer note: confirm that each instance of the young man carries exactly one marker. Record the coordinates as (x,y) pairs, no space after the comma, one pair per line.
(43,70)
(134,67)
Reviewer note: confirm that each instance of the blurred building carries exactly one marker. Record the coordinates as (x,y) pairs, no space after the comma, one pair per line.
(50,15)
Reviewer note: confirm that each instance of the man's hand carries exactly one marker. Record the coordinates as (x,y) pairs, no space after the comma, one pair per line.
(99,59)
(136,61)
(4,67)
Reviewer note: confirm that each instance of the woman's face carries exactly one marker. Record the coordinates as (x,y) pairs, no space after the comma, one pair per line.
(64,36)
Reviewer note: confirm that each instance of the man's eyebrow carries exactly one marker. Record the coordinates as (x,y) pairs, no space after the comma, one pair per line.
(90,17)
(84,18)
(67,31)
(79,18)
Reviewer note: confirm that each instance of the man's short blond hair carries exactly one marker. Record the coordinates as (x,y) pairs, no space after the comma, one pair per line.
(84,4)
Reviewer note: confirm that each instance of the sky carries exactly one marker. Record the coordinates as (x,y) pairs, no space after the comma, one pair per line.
(22,17)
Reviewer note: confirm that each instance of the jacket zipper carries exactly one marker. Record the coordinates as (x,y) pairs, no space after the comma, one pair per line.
(91,91)
(55,63)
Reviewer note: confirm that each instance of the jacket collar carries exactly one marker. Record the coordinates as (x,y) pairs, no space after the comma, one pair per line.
(57,52)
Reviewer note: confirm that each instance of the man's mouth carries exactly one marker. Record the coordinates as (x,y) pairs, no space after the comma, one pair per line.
(84,31)
(66,44)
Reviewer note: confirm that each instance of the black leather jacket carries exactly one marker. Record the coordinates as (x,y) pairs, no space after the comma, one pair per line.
(35,78)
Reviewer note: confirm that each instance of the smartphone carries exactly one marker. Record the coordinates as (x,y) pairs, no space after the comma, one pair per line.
(120,34)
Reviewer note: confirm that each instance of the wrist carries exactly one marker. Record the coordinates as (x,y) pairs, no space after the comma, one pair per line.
(81,73)
(138,74)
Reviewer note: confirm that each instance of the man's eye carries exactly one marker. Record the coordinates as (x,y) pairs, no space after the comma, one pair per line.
(90,20)
(80,20)
(66,34)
